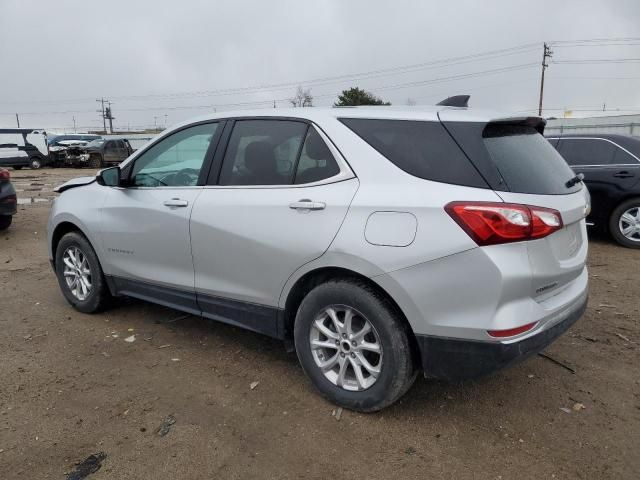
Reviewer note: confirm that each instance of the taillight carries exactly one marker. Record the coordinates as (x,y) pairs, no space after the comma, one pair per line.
(492,223)
(4,175)
(512,331)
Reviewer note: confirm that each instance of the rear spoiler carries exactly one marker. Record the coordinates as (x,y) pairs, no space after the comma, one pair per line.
(536,122)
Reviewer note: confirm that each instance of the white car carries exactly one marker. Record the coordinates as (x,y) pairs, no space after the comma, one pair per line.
(378,241)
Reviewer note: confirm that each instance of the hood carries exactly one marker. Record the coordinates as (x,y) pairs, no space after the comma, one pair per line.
(74,182)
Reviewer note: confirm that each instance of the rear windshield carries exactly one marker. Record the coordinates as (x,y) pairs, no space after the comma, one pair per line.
(526,161)
(421,148)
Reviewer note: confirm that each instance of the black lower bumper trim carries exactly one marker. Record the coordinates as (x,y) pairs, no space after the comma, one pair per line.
(455,360)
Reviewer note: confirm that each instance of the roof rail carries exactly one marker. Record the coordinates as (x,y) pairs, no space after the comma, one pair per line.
(455,101)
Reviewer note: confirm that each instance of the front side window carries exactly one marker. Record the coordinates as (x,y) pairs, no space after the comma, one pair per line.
(587,151)
(176,160)
(262,152)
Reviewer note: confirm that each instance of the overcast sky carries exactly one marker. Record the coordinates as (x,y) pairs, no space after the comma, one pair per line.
(153,58)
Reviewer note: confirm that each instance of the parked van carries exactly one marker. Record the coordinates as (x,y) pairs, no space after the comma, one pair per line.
(23,147)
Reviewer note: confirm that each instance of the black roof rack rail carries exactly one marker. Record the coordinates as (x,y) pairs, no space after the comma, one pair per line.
(455,101)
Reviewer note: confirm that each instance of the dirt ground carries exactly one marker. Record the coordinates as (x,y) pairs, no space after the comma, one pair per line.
(71,386)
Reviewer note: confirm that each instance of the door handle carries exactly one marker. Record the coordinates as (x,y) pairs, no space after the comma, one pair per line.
(176,202)
(306,204)
(623,174)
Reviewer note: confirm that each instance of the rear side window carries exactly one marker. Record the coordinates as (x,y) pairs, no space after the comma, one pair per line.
(526,161)
(262,152)
(587,151)
(421,148)
(623,158)
(316,161)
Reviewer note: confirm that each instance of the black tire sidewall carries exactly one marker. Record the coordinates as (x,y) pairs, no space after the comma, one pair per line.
(397,366)
(614,227)
(5,221)
(99,291)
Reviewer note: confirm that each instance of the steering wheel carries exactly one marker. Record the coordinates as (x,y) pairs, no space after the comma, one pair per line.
(182,178)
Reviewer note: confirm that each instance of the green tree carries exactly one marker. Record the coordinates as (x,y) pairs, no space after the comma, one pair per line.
(356,96)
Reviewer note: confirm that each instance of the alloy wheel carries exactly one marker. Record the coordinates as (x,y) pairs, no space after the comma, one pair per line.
(77,273)
(629,224)
(346,348)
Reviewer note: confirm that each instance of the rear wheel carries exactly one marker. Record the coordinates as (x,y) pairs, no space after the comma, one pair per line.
(80,274)
(624,223)
(35,163)
(5,221)
(354,346)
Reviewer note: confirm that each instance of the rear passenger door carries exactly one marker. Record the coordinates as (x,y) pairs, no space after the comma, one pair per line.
(276,198)
(110,152)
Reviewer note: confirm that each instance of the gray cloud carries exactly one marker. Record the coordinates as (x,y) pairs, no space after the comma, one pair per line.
(60,56)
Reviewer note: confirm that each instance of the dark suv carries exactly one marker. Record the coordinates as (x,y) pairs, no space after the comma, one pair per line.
(611,168)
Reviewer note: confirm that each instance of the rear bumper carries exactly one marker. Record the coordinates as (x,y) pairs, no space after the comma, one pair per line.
(455,359)
(7,207)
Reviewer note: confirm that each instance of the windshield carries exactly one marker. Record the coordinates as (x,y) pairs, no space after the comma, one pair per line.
(95,143)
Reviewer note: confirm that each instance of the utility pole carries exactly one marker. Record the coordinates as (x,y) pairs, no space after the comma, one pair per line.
(547,54)
(74,124)
(18,120)
(165,120)
(109,116)
(104,118)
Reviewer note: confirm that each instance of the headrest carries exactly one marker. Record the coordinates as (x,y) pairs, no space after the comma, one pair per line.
(259,156)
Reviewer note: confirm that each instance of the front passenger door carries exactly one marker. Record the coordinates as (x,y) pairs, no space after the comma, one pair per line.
(146,224)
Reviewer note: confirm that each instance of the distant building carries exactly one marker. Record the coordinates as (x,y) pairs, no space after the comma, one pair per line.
(620,124)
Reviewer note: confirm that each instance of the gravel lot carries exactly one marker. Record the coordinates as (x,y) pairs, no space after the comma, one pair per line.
(71,386)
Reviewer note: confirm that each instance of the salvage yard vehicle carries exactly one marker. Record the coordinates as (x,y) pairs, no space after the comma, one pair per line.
(23,147)
(98,153)
(610,165)
(58,145)
(8,199)
(377,241)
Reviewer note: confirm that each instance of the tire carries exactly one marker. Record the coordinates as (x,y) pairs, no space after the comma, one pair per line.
(5,221)
(35,163)
(17,167)
(98,296)
(395,361)
(95,161)
(626,215)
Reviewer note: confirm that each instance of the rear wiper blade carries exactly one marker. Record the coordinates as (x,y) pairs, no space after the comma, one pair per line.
(577,179)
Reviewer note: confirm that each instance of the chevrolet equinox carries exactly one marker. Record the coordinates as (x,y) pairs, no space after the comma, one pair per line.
(378,242)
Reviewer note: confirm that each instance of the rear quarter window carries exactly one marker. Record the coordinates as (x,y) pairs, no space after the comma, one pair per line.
(423,149)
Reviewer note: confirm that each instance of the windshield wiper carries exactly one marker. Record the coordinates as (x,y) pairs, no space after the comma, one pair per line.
(577,179)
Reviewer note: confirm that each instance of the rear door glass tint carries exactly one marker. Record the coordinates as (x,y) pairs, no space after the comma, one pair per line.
(623,158)
(587,151)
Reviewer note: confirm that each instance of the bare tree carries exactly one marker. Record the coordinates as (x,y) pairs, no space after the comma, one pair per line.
(302,98)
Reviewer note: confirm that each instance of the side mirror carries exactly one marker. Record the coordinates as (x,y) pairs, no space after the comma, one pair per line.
(109,177)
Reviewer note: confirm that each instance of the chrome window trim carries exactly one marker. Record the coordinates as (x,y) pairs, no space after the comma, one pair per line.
(606,140)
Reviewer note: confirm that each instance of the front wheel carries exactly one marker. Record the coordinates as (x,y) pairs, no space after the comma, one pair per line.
(80,274)
(95,161)
(624,223)
(354,346)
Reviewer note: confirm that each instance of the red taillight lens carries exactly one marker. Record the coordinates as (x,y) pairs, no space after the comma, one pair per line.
(512,331)
(4,175)
(492,223)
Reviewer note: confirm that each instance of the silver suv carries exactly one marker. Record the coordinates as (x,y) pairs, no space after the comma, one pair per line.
(379,242)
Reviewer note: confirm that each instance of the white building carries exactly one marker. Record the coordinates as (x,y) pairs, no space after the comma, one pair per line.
(620,124)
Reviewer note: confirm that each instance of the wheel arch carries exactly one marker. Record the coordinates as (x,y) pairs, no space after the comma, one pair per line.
(60,231)
(305,283)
